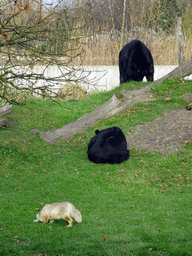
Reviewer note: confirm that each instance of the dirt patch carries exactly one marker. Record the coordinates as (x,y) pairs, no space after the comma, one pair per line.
(167,134)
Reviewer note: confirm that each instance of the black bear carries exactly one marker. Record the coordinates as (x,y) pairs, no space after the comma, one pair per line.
(108,146)
(135,62)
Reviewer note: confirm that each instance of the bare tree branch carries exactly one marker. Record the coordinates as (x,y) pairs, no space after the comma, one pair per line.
(32,36)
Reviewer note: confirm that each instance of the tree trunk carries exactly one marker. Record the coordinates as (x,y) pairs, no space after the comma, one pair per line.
(180,39)
(119,103)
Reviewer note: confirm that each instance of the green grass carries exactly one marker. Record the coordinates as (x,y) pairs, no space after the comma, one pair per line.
(139,207)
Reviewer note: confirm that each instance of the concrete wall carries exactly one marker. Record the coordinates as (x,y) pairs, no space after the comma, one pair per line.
(111,79)
(101,78)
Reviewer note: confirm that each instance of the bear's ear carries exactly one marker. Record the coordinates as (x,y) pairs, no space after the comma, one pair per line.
(97,131)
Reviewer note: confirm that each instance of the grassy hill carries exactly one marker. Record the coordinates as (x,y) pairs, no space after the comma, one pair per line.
(139,207)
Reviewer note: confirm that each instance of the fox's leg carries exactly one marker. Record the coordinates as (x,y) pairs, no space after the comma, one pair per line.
(51,221)
(70,220)
(46,219)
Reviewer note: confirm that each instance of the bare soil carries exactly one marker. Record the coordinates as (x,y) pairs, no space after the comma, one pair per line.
(168,134)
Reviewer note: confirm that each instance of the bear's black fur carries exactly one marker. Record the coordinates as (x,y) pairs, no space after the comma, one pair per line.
(135,62)
(108,146)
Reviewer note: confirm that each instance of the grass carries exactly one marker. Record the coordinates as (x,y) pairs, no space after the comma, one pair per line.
(102,49)
(139,207)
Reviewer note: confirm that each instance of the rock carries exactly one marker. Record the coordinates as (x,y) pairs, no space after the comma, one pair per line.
(35,131)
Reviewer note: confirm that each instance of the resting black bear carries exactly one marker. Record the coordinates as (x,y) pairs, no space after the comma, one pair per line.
(135,62)
(108,146)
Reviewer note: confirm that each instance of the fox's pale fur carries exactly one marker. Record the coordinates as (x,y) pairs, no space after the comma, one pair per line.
(65,210)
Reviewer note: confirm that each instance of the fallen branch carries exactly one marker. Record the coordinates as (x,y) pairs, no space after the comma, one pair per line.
(117,104)
(5,109)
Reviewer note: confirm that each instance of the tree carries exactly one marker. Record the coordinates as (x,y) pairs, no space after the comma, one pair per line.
(122,25)
(32,33)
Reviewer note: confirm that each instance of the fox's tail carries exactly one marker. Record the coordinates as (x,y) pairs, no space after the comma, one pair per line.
(76,215)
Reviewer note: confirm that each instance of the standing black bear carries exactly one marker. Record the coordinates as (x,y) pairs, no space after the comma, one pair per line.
(108,146)
(135,62)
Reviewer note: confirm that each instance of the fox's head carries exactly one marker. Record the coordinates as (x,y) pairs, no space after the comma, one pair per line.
(39,217)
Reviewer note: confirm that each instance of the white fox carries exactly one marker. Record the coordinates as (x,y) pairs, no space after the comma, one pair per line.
(65,210)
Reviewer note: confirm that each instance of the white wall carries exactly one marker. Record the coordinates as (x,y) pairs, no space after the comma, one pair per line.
(111,79)
(98,77)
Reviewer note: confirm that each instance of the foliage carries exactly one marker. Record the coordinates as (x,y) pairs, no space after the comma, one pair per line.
(161,15)
(187,22)
(169,11)
(151,15)
(139,207)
